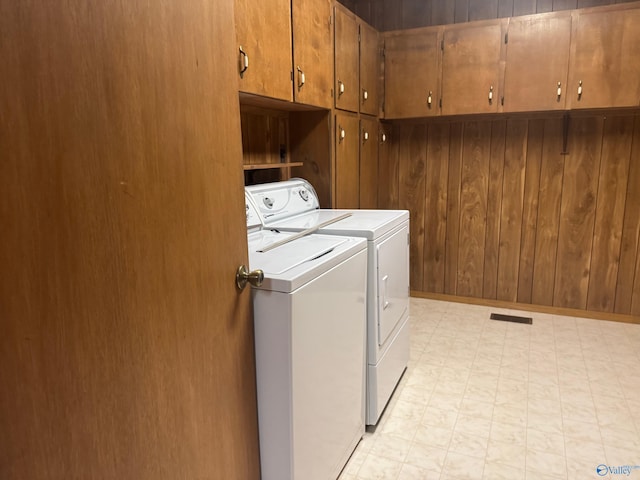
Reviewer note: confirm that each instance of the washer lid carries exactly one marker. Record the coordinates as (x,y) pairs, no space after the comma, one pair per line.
(293,264)
(369,224)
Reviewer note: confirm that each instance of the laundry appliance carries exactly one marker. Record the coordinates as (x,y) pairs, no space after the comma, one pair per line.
(310,318)
(293,206)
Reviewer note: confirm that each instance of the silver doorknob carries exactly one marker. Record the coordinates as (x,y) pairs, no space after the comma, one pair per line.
(243,275)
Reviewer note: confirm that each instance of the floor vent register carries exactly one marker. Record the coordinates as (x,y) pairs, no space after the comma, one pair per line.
(511,318)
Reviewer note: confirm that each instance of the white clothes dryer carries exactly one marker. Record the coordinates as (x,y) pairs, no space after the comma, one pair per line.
(293,206)
(310,318)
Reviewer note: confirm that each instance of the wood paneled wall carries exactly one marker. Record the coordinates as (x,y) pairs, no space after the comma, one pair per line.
(500,210)
(400,14)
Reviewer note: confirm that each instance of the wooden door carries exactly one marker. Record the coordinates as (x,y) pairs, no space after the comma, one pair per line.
(471,67)
(263,32)
(126,351)
(368,162)
(369,68)
(537,62)
(313,52)
(347,78)
(604,68)
(347,172)
(412,73)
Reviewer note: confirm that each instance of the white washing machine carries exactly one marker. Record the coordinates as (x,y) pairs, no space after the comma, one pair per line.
(293,206)
(310,318)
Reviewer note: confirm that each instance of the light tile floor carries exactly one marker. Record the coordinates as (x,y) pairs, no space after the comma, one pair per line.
(486,399)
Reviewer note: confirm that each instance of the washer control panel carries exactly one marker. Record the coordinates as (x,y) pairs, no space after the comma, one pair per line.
(279,200)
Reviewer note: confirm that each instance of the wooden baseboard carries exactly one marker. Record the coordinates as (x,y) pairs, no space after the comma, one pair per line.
(572,312)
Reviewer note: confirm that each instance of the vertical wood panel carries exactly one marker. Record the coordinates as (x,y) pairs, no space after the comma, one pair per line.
(549,199)
(577,214)
(453,208)
(412,192)
(483,9)
(564,5)
(443,13)
(494,205)
(594,3)
(631,230)
(392,16)
(436,207)
(530,210)
(416,13)
(473,207)
(511,214)
(505,8)
(368,162)
(607,235)
(544,6)
(461,11)
(524,7)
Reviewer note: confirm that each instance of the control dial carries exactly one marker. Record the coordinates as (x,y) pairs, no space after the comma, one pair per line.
(304,195)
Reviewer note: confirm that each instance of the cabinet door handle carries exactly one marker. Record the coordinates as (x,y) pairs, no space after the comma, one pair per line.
(343,134)
(244,61)
(340,87)
(429,98)
(559,92)
(579,89)
(301,78)
(383,138)
(365,95)
(490,94)
(365,136)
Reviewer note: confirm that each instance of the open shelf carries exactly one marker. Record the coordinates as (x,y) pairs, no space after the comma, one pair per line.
(265,166)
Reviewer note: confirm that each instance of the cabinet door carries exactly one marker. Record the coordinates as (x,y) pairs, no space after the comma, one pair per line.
(263,32)
(605,53)
(368,162)
(347,164)
(471,68)
(412,73)
(369,63)
(537,62)
(313,52)
(346,60)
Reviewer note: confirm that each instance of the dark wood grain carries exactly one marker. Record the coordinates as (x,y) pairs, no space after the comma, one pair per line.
(442,13)
(612,189)
(437,171)
(511,216)
(524,7)
(412,156)
(453,208)
(461,14)
(473,207)
(543,6)
(347,163)
(530,210)
(483,9)
(416,13)
(564,5)
(368,162)
(631,230)
(494,207)
(505,8)
(388,165)
(549,198)
(577,215)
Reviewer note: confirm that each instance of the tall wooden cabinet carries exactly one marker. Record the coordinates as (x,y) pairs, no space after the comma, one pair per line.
(412,73)
(347,78)
(263,33)
(471,67)
(347,162)
(537,61)
(369,63)
(605,58)
(368,167)
(312,52)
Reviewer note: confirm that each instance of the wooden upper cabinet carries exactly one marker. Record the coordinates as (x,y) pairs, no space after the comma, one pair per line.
(263,32)
(347,96)
(605,58)
(471,64)
(369,68)
(369,142)
(312,52)
(537,62)
(412,73)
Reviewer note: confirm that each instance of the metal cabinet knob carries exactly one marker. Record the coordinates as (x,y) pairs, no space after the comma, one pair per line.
(243,275)
(244,61)
(301,78)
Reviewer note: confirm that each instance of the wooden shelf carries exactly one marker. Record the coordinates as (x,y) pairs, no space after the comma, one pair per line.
(264,166)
